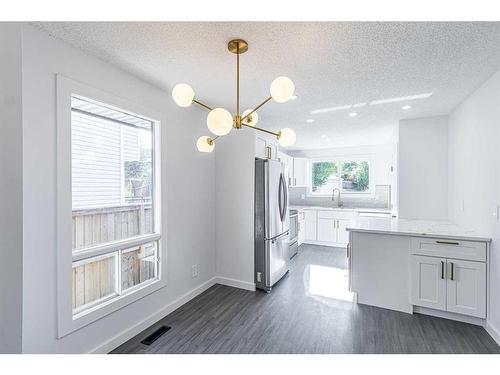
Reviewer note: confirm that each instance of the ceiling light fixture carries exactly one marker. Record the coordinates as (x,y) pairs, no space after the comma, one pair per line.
(353,114)
(220,121)
(309,120)
(401,99)
(405,107)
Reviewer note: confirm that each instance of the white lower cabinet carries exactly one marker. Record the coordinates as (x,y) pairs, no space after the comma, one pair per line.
(310,220)
(342,233)
(327,230)
(452,285)
(428,282)
(466,288)
(302,230)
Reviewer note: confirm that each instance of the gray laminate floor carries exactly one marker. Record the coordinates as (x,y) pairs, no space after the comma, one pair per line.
(307,312)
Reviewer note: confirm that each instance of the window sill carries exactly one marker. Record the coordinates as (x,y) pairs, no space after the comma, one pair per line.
(84,318)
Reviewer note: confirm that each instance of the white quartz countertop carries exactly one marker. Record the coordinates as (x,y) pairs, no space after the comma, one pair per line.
(420,228)
(345,209)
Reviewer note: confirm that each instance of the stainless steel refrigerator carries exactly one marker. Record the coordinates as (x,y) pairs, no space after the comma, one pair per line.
(271,223)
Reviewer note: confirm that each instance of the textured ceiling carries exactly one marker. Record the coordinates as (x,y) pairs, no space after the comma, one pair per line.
(332,64)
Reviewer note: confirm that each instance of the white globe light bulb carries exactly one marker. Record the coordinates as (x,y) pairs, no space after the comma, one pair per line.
(205,144)
(183,94)
(252,119)
(282,89)
(287,137)
(219,121)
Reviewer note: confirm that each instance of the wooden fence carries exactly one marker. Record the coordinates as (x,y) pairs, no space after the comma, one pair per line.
(95,280)
(96,226)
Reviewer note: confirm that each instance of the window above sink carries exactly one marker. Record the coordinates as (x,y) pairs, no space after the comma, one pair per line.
(350,176)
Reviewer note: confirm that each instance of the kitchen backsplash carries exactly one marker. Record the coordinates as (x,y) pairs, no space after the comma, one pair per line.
(381,198)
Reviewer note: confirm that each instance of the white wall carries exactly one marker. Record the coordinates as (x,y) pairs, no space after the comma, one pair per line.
(235,173)
(11,203)
(474,161)
(188,193)
(423,168)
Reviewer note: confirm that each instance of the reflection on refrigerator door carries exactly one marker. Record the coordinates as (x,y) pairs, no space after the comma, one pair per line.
(271,223)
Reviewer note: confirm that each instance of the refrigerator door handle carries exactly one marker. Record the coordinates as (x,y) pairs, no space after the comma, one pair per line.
(279,200)
(281,197)
(281,236)
(285,197)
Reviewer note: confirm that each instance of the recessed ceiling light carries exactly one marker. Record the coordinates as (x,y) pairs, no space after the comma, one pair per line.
(353,114)
(401,98)
(406,107)
(293,97)
(323,136)
(310,120)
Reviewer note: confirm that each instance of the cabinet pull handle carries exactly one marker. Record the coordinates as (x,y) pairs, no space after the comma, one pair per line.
(295,181)
(442,270)
(452,271)
(448,242)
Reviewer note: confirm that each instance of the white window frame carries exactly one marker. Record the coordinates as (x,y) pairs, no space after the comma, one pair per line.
(67,321)
(339,160)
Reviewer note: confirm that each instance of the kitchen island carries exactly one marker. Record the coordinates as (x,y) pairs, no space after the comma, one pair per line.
(431,267)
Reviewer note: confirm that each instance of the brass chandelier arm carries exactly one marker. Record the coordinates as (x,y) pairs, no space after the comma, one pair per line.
(277,135)
(256,108)
(238,81)
(202,105)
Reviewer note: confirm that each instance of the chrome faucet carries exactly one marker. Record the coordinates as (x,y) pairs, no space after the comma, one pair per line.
(339,201)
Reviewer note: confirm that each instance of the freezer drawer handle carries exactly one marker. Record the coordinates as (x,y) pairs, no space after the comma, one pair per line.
(448,242)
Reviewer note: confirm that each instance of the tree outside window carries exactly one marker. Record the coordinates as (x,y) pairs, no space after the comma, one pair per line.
(349,176)
(355,176)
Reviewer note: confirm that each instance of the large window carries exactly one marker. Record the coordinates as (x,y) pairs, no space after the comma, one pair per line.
(350,176)
(109,230)
(112,183)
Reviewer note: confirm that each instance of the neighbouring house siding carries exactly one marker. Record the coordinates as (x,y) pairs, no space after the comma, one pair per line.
(130,143)
(96,162)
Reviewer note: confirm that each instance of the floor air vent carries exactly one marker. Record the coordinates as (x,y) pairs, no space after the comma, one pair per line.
(155,335)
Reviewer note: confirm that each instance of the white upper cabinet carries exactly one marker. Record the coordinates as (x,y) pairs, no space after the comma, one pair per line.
(260,148)
(265,148)
(300,172)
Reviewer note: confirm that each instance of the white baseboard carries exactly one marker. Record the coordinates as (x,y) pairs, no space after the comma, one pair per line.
(153,318)
(493,332)
(449,315)
(235,283)
(323,243)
